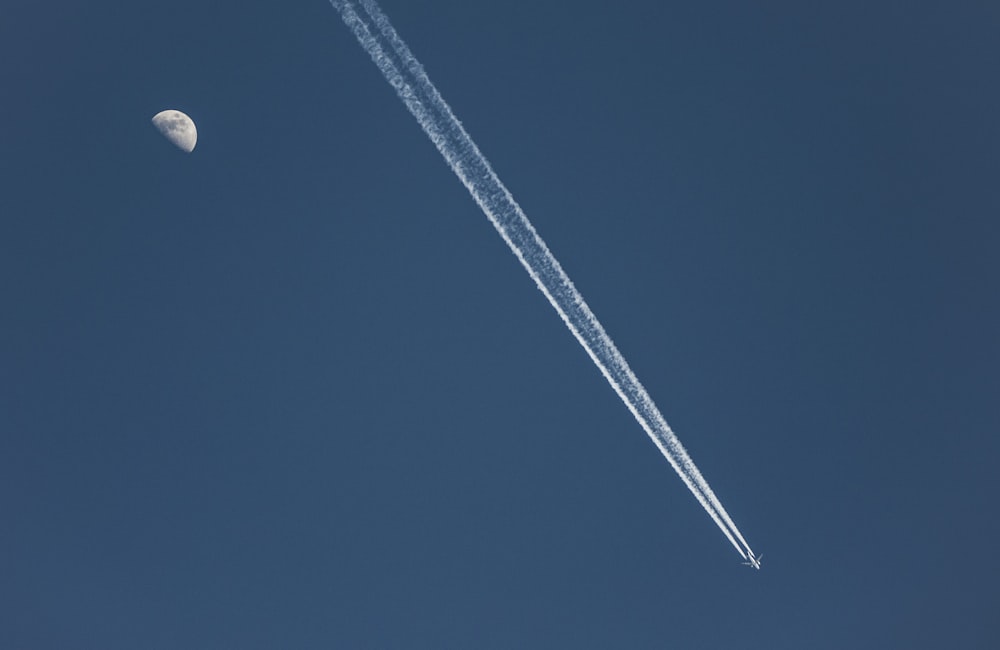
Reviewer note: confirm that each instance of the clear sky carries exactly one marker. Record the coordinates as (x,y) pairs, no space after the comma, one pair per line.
(293,391)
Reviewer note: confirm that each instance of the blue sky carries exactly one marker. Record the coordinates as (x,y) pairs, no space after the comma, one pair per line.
(292,390)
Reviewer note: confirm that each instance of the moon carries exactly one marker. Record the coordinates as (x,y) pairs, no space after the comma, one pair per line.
(178,128)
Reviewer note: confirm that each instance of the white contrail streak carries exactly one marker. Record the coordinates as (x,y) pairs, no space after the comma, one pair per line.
(404,73)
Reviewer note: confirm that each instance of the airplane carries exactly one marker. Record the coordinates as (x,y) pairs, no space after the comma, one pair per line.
(754,561)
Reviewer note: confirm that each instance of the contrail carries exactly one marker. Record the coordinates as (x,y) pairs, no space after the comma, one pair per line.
(404,73)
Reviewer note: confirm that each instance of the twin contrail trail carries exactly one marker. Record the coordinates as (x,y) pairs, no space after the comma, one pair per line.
(402,70)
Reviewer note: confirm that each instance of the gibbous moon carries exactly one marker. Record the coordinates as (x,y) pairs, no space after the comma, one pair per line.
(178,128)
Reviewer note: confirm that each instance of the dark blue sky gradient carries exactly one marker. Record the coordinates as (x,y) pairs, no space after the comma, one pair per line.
(292,390)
